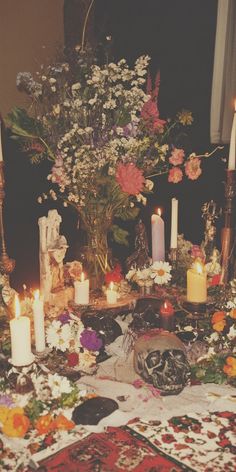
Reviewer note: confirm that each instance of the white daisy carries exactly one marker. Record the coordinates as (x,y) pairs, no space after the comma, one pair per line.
(58,385)
(161,272)
(59,336)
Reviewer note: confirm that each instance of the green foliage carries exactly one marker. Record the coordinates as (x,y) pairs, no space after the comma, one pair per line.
(67,400)
(210,371)
(34,409)
(120,235)
(23,125)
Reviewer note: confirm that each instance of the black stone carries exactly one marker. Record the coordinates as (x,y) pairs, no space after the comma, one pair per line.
(94,410)
(107,328)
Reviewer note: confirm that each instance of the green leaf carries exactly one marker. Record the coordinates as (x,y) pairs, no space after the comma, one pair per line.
(24,125)
(120,235)
(127,213)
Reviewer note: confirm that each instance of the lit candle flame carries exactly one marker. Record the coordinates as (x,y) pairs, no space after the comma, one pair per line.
(159,211)
(82,278)
(36,295)
(24,287)
(198,267)
(111,286)
(17,307)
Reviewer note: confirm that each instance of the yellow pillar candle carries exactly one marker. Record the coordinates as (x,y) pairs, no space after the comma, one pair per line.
(196,284)
(39,331)
(111,294)
(82,291)
(21,354)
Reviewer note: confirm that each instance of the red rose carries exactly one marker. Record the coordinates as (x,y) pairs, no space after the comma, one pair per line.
(114,275)
(72,359)
(215,279)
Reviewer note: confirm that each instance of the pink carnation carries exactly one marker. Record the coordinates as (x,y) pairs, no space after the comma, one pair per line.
(193,168)
(130,178)
(177,157)
(175,175)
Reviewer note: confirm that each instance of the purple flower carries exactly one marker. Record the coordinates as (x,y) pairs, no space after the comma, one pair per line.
(6,400)
(90,340)
(64,318)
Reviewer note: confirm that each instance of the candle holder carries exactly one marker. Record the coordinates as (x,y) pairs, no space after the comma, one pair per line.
(173,257)
(7,265)
(195,309)
(227,236)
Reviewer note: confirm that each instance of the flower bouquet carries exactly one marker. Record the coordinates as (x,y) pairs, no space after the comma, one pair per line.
(105,139)
(79,346)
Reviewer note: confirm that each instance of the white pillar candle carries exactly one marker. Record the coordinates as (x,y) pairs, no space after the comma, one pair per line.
(21,354)
(111,294)
(1,156)
(174,223)
(197,284)
(82,291)
(39,330)
(232,147)
(158,237)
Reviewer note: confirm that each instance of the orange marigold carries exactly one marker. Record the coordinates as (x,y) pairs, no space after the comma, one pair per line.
(219,326)
(44,424)
(232,313)
(61,422)
(230,366)
(218,316)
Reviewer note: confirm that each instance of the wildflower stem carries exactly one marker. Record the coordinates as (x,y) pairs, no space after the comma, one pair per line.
(85,25)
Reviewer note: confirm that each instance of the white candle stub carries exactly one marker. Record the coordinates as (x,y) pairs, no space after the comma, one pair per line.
(21,354)
(111,294)
(39,330)
(81,291)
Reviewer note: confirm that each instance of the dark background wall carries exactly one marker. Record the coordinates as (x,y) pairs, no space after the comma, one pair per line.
(179,37)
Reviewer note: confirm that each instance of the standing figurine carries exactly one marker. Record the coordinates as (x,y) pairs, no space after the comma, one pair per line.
(140,257)
(210,213)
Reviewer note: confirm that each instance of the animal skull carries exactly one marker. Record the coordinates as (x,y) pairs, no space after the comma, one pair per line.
(160,358)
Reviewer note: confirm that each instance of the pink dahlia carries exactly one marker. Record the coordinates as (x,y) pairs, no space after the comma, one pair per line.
(177,157)
(175,175)
(193,168)
(130,178)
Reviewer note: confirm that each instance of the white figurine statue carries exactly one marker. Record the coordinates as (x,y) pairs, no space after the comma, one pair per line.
(52,251)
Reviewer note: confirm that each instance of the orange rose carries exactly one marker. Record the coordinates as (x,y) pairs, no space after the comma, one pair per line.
(16,424)
(61,422)
(44,424)
(232,313)
(218,316)
(230,366)
(219,326)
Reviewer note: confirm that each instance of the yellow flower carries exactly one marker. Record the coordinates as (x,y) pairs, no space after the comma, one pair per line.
(185,117)
(16,424)
(219,326)
(3,414)
(230,366)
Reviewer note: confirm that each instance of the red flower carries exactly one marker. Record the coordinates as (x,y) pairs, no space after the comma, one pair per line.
(215,279)
(72,359)
(130,178)
(114,275)
(224,443)
(189,440)
(175,175)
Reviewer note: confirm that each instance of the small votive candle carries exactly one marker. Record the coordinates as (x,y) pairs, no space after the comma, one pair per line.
(111,294)
(82,291)
(167,318)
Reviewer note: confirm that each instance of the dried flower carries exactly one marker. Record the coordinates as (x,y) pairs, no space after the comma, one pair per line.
(175,175)
(193,168)
(130,178)
(90,340)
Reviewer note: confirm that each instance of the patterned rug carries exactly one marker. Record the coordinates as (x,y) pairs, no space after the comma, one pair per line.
(199,443)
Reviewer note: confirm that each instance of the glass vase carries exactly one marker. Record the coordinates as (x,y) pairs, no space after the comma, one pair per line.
(96,255)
